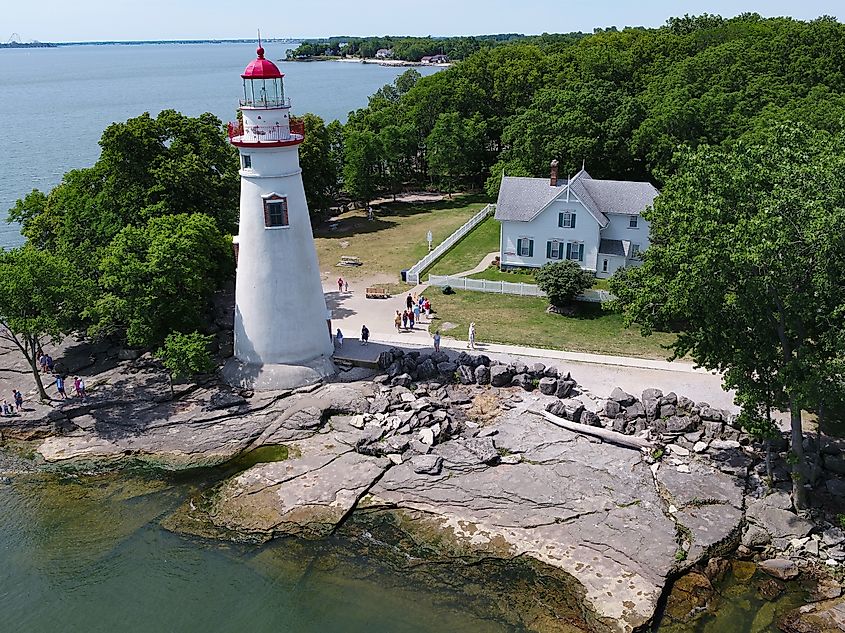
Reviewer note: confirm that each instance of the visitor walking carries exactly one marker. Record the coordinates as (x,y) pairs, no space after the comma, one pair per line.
(338,338)
(79,387)
(49,361)
(397,320)
(427,307)
(471,336)
(18,397)
(365,335)
(42,361)
(345,286)
(437,341)
(417,312)
(405,319)
(7,410)
(60,386)
(411,318)
(409,302)
(340,284)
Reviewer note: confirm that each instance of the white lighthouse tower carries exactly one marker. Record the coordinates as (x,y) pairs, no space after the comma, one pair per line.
(281,334)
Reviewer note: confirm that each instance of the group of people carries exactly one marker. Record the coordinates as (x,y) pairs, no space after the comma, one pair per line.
(10,408)
(48,366)
(415,307)
(342,285)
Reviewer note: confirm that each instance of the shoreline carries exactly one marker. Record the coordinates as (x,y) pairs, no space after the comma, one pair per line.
(377,62)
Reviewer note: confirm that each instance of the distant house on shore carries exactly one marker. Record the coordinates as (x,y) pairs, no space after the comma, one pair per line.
(594,222)
(435,59)
(384,53)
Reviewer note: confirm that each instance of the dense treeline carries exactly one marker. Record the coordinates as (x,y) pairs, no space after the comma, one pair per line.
(140,238)
(623,101)
(405,48)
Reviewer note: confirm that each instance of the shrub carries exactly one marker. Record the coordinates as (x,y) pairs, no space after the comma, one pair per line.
(447,290)
(563,281)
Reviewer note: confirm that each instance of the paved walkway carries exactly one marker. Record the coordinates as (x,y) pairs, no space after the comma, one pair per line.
(483,265)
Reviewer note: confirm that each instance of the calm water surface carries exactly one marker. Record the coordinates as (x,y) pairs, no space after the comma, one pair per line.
(89,555)
(56,102)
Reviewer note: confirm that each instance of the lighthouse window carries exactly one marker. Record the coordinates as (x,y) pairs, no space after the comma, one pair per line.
(276,211)
(246,161)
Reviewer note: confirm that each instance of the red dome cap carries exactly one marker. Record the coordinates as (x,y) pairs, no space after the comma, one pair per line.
(261,68)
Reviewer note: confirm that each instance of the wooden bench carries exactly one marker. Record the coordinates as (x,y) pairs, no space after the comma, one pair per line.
(348,260)
(377,293)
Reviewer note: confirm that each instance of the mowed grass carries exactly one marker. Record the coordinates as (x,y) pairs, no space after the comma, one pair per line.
(494,274)
(466,254)
(394,240)
(518,320)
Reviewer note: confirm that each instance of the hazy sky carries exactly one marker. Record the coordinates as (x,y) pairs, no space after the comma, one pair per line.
(75,20)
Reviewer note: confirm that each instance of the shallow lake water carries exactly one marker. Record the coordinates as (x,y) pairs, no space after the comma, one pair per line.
(88,553)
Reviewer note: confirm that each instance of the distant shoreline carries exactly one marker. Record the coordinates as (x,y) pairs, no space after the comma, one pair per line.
(137,43)
(369,60)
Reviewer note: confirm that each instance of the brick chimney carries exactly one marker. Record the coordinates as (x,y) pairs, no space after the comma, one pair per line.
(553,178)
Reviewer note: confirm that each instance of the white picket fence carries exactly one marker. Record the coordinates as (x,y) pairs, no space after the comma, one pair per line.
(509,288)
(414,272)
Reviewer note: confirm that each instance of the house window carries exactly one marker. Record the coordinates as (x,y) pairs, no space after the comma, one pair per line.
(633,220)
(575,251)
(525,247)
(275,211)
(554,250)
(635,250)
(246,161)
(566,220)
(604,266)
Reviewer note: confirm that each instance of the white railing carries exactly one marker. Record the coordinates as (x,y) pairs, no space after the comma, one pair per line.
(592,295)
(414,272)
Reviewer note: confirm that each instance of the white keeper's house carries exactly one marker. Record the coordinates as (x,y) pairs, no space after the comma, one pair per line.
(594,222)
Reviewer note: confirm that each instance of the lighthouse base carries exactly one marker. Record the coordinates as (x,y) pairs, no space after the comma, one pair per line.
(270,377)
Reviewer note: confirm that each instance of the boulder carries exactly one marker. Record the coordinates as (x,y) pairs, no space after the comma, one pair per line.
(652,409)
(548,386)
(568,409)
(520,368)
(427,464)
(439,357)
(500,376)
(482,375)
(677,424)
(402,380)
(667,410)
(426,370)
(634,411)
(622,397)
(612,408)
(466,375)
(551,372)
(652,394)
(447,368)
(778,522)
(457,396)
(537,370)
(483,360)
(834,463)
(590,419)
(564,387)
(669,398)
(523,380)
(780,568)
(755,537)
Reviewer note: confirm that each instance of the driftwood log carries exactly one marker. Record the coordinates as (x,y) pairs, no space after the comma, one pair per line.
(620,439)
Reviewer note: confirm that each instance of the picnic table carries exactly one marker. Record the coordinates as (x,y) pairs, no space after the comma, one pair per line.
(349,260)
(375,292)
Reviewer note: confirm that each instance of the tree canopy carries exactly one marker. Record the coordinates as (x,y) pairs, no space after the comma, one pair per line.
(747,263)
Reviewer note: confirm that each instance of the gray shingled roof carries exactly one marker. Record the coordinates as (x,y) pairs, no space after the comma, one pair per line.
(521,199)
(611,247)
(620,196)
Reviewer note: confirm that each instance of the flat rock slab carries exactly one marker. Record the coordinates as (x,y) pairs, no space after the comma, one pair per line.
(304,496)
(777,521)
(708,502)
(589,509)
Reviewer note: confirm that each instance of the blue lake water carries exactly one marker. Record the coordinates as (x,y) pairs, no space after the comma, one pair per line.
(56,102)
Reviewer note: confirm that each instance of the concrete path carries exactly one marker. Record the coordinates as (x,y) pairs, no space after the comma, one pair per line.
(483,265)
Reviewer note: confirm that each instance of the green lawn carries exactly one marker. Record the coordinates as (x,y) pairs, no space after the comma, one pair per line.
(467,253)
(395,240)
(517,320)
(494,274)
(601,284)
